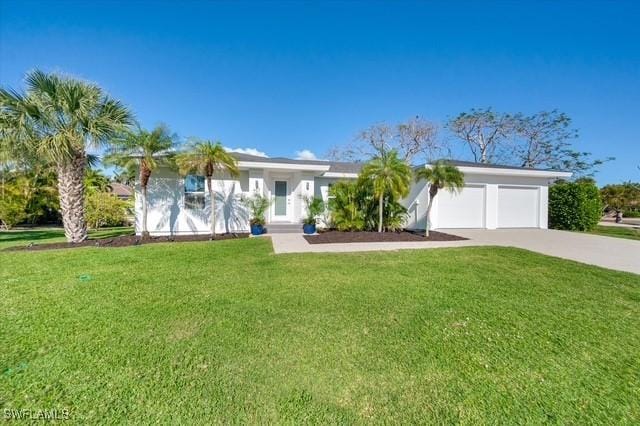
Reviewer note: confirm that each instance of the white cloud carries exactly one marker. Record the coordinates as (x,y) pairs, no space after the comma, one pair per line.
(305,154)
(249,151)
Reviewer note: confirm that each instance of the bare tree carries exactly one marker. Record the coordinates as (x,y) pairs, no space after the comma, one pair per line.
(418,137)
(410,139)
(484,131)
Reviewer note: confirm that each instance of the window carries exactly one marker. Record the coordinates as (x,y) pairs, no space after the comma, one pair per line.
(194,192)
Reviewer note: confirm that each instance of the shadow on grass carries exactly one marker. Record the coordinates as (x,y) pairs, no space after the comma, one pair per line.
(39,235)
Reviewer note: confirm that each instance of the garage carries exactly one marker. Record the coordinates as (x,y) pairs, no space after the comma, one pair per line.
(518,207)
(465,209)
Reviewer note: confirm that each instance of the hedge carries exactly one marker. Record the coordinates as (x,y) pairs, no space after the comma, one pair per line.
(574,206)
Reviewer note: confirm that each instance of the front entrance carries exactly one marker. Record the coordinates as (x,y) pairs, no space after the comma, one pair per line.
(281,201)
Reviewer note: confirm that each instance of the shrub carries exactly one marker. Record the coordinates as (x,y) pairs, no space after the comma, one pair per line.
(315,207)
(574,206)
(257,206)
(353,207)
(13,205)
(631,213)
(105,209)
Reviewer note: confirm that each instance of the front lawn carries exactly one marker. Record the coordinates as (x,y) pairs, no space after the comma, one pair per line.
(228,332)
(22,237)
(617,231)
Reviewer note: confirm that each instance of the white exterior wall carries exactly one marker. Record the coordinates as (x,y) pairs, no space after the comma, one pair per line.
(491,185)
(167,215)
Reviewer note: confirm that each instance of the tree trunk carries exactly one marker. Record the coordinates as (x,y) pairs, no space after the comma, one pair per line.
(428,220)
(145,231)
(433,191)
(71,190)
(380,207)
(213,208)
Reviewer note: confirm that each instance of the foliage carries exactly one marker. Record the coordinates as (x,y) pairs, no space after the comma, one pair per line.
(206,158)
(440,175)
(56,118)
(257,205)
(621,197)
(346,200)
(141,150)
(144,151)
(209,159)
(314,207)
(442,336)
(574,206)
(96,181)
(386,175)
(353,207)
(104,209)
(13,203)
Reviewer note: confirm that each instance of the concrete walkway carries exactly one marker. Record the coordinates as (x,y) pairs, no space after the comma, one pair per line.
(608,252)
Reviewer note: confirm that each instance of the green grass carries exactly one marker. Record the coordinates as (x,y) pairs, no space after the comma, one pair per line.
(52,235)
(618,232)
(228,332)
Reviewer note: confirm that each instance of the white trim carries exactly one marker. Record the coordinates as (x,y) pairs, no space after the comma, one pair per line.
(340,175)
(513,172)
(283,166)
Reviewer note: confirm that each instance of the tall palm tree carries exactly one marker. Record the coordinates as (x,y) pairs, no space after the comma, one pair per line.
(146,151)
(440,175)
(389,174)
(57,117)
(208,158)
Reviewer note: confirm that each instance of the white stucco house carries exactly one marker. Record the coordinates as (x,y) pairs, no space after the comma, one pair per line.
(493,196)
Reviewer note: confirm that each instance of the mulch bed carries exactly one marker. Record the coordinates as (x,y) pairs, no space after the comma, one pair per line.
(328,237)
(126,241)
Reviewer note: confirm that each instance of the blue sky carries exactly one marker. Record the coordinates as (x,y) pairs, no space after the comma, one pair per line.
(281,77)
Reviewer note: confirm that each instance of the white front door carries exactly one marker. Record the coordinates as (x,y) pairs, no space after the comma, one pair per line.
(281,207)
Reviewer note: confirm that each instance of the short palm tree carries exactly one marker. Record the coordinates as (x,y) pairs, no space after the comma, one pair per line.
(57,117)
(208,158)
(389,174)
(146,151)
(440,175)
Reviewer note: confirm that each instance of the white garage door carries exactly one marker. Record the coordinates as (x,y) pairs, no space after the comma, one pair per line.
(461,210)
(518,207)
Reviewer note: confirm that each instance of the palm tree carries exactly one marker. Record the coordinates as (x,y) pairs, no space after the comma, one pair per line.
(208,158)
(57,117)
(440,175)
(96,181)
(389,175)
(144,150)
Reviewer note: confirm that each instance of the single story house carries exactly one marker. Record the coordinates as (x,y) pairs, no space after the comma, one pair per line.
(493,197)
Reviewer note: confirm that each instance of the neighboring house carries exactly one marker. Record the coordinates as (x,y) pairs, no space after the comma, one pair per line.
(120,190)
(493,197)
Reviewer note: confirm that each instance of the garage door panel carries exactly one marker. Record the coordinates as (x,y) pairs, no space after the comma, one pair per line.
(465,209)
(518,207)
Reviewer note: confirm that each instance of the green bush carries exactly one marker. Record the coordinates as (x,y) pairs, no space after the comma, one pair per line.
(631,213)
(257,206)
(105,209)
(13,205)
(353,207)
(574,206)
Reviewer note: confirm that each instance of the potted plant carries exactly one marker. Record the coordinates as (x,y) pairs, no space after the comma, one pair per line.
(257,206)
(315,207)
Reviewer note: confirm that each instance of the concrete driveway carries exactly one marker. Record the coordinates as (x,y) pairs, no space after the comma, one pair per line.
(608,252)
